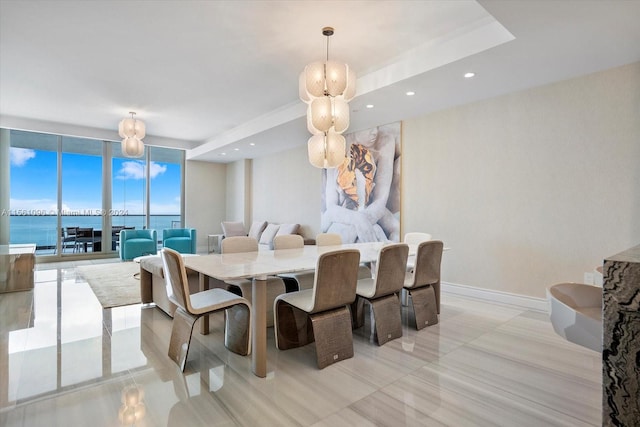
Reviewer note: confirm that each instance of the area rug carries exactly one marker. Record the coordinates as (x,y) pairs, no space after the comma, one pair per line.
(115,284)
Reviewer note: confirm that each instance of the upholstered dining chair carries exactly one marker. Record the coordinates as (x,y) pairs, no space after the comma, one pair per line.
(288,241)
(190,307)
(381,291)
(321,314)
(304,279)
(275,285)
(423,283)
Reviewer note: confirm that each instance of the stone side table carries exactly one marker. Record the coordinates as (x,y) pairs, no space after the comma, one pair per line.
(16,267)
(621,339)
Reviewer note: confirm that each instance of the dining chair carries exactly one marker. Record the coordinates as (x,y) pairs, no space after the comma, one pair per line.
(275,285)
(190,307)
(288,241)
(328,239)
(321,314)
(423,283)
(304,279)
(68,235)
(412,238)
(381,292)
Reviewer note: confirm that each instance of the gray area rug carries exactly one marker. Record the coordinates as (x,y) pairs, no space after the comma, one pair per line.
(114,283)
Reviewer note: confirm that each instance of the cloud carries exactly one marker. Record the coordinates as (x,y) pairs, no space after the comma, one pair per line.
(135,170)
(19,156)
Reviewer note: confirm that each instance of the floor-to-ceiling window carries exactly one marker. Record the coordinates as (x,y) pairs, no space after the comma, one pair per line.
(33,189)
(165,173)
(62,201)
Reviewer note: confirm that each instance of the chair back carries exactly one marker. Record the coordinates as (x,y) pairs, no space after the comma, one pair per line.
(328,239)
(288,241)
(336,279)
(175,277)
(127,233)
(414,238)
(239,244)
(176,232)
(428,260)
(391,269)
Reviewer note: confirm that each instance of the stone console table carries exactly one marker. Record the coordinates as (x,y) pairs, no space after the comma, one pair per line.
(621,339)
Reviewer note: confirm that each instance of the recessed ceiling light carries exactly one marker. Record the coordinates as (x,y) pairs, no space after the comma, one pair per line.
(223,154)
(410,93)
(236,149)
(252,144)
(469,75)
(369,105)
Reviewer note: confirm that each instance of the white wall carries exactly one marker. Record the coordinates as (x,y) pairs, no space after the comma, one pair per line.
(238,192)
(205,192)
(287,189)
(532,188)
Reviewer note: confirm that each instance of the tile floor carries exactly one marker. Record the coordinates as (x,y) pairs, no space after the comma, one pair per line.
(64,361)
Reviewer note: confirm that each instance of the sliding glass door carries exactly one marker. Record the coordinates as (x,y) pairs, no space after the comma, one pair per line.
(71,196)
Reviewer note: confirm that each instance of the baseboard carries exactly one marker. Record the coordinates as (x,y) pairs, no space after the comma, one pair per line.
(520,301)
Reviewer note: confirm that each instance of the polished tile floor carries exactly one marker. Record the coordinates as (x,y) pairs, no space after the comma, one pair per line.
(64,361)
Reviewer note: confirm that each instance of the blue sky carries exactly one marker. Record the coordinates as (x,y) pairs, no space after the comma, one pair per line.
(34,186)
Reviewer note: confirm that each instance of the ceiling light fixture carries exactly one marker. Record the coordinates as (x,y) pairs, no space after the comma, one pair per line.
(410,93)
(327,87)
(132,131)
(469,75)
(369,105)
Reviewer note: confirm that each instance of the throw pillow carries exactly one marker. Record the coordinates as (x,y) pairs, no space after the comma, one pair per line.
(268,234)
(288,229)
(230,228)
(256,229)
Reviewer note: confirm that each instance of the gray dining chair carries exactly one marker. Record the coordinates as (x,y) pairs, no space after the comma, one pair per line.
(321,314)
(381,292)
(423,283)
(304,279)
(243,287)
(190,307)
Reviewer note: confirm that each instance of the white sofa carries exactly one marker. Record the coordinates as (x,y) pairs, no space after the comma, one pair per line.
(262,231)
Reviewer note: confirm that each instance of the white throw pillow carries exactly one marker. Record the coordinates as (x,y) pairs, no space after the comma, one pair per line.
(288,229)
(256,229)
(230,229)
(268,234)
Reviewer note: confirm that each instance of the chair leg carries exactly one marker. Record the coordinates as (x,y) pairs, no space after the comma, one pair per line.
(424,306)
(334,339)
(237,337)
(293,328)
(181,330)
(387,317)
(357,312)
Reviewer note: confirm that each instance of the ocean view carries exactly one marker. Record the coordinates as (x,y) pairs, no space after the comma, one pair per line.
(41,229)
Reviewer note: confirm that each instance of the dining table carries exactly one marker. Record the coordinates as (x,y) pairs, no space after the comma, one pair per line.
(257,266)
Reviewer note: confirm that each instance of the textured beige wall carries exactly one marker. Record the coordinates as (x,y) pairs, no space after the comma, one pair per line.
(286,189)
(205,199)
(531,188)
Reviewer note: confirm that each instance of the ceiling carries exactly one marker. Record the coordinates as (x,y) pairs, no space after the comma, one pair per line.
(219,78)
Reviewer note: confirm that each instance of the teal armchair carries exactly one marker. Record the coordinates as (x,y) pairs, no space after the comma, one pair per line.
(135,243)
(182,240)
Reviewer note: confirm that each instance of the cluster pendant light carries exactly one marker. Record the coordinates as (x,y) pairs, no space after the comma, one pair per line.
(132,131)
(327,87)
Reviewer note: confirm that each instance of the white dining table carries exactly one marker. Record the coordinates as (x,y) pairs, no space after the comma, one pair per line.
(257,266)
